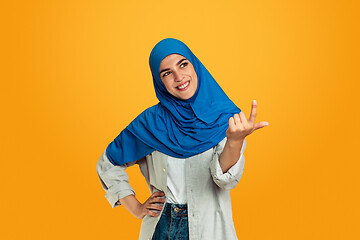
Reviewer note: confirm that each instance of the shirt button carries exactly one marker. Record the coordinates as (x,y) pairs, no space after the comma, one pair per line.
(164,170)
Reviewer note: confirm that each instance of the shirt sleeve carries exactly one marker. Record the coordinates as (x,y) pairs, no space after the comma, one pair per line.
(114,180)
(230,179)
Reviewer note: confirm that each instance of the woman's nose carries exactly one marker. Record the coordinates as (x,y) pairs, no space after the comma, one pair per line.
(178,76)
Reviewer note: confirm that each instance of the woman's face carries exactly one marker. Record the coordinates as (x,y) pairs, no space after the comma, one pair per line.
(179,76)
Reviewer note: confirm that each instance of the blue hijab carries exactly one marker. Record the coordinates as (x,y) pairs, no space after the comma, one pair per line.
(178,128)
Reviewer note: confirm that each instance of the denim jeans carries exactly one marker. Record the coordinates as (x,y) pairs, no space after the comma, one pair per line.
(173,223)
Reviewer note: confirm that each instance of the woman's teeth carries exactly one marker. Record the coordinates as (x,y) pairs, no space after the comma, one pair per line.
(184,85)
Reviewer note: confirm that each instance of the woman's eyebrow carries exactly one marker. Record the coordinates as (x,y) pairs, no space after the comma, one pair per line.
(166,69)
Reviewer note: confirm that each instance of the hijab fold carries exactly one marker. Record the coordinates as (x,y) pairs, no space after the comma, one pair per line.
(178,128)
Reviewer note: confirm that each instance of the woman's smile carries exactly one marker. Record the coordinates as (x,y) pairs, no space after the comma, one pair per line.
(184,87)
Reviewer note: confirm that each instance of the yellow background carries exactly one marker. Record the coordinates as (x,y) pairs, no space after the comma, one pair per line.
(75,73)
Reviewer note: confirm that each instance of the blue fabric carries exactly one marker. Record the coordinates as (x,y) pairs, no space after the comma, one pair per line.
(178,128)
(173,223)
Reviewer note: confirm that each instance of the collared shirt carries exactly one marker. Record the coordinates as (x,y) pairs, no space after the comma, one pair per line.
(207,188)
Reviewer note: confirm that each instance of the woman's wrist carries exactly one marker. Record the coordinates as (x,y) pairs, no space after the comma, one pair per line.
(230,154)
(234,144)
(132,205)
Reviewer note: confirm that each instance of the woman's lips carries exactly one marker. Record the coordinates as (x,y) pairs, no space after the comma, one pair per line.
(184,89)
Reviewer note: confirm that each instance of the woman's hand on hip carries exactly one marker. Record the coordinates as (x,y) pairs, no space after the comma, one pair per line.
(152,203)
(240,127)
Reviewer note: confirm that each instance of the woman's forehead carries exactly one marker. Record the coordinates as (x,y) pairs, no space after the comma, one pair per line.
(171,58)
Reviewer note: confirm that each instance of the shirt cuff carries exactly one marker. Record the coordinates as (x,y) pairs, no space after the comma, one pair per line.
(115,193)
(229,179)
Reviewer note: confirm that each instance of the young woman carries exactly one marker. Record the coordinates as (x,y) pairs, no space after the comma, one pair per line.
(189,147)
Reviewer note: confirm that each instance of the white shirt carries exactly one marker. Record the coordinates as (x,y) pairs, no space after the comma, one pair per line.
(176,186)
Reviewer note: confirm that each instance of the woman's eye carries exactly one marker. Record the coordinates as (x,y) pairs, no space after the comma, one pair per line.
(184,64)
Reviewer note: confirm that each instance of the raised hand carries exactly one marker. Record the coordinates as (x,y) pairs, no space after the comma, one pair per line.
(240,127)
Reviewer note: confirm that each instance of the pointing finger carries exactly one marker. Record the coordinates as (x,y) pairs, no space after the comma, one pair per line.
(253,111)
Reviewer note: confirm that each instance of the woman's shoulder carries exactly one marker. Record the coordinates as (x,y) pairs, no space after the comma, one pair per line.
(150,114)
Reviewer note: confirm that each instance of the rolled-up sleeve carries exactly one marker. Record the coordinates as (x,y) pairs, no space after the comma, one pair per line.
(114,180)
(231,178)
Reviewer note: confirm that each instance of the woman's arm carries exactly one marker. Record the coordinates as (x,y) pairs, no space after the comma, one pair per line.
(230,154)
(114,179)
(115,182)
(229,179)
(239,128)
